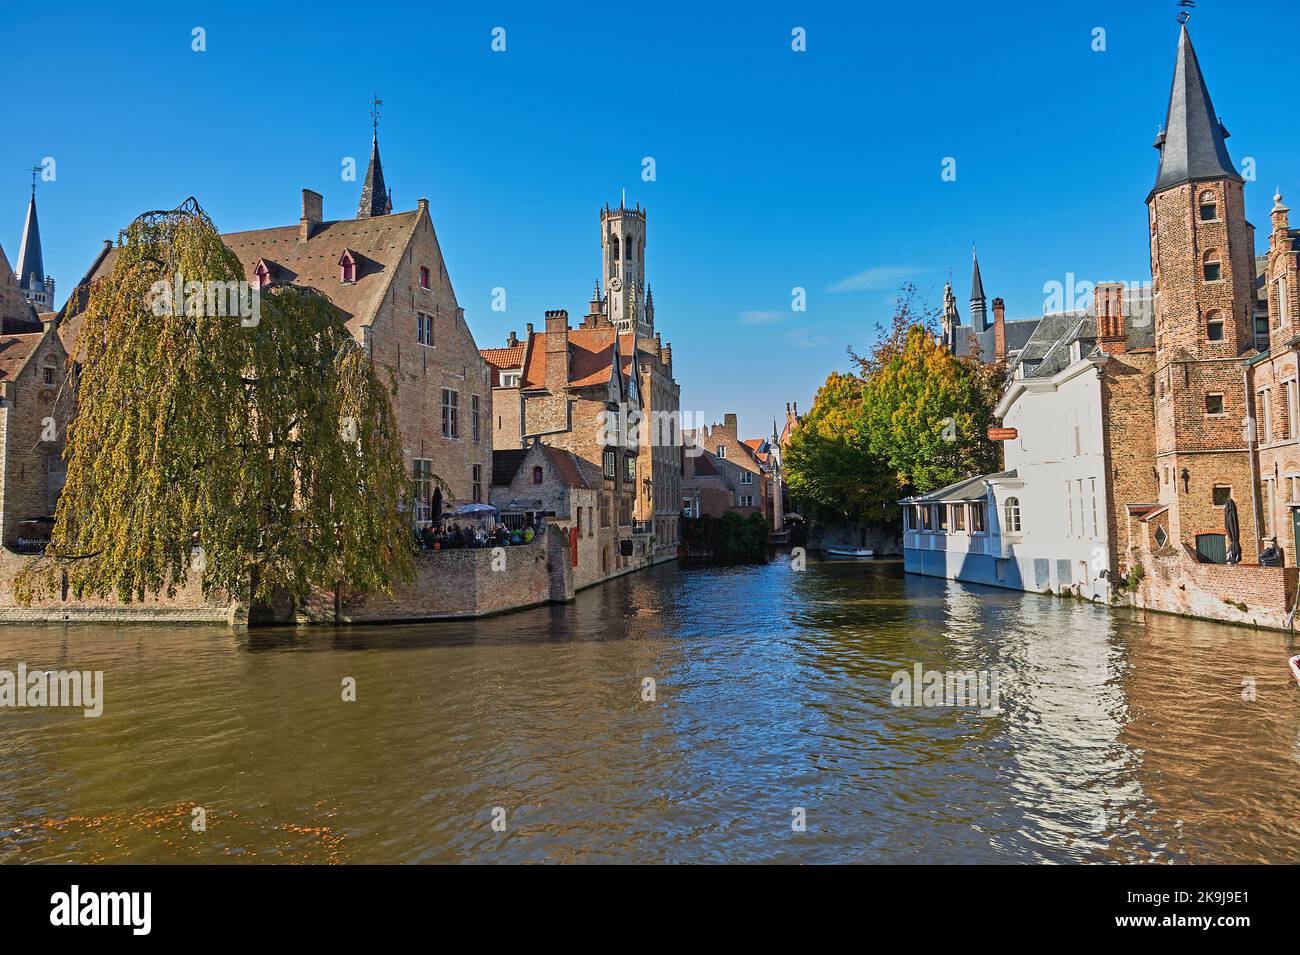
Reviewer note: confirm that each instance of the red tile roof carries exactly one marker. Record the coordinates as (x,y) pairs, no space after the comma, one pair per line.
(591,355)
(512,357)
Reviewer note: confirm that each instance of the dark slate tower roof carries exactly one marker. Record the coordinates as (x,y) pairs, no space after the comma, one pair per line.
(979,317)
(31,268)
(375,200)
(1191,144)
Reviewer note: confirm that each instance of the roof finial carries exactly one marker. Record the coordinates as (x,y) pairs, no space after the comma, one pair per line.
(36,171)
(375,103)
(623,203)
(1184,15)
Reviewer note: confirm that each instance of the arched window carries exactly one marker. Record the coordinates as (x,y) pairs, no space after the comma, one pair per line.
(347,267)
(1209,206)
(1214,329)
(613,247)
(1011,507)
(537,475)
(1213,267)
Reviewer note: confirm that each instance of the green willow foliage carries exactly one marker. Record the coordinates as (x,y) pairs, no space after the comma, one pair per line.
(257,458)
(912,418)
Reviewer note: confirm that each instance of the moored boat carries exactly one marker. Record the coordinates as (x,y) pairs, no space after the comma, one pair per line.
(858,553)
(1295,667)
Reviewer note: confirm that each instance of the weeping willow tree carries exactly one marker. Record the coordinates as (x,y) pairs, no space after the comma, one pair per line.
(255,449)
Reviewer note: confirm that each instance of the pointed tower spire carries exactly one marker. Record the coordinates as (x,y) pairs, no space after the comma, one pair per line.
(376,200)
(978,304)
(1191,143)
(31,267)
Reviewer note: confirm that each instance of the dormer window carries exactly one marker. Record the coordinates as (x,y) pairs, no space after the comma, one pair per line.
(424,277)
(1213,268)
(1209,206)
(347,267)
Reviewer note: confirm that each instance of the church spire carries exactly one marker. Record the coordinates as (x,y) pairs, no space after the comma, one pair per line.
(1191,143)
(978,304)
(31,267)
(376,200)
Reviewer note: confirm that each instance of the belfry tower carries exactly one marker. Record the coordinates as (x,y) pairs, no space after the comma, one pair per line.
(622,243)
(1203,274)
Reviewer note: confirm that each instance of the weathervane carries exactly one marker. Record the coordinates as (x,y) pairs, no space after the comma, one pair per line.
(1184,15)
(375,103)
(36,171)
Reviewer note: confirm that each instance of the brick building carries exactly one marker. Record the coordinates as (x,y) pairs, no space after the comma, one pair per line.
(749,467)
(385,271)
(555,482)
(531,397)
(1189,414)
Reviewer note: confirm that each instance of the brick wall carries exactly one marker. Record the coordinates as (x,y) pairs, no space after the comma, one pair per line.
(33,412)
(452,362)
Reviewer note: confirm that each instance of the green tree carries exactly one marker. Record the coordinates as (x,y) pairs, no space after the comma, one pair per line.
(912,417)
(926,412)
(257,454)
(829,463)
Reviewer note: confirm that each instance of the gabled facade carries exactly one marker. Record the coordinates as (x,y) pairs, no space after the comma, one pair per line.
(387,275)
(34,410)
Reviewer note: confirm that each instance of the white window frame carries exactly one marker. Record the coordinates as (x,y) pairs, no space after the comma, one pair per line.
(1011,523)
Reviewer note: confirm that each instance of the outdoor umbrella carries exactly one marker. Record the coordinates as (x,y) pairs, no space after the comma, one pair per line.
(473,510)
(1233,527)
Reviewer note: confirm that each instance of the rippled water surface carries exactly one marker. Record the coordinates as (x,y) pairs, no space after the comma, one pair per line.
(1120,737)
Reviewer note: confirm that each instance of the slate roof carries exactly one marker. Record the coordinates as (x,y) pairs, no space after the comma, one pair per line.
(1191,144)
(967,489)
(31,268)
(15,351)
(976,283)
(375,200)
(1018,332)
(1051,348)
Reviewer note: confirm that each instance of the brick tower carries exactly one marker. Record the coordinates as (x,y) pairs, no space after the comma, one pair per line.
(1202,268)
(622,242)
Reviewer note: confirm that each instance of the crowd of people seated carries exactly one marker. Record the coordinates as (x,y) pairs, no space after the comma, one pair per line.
(449,536)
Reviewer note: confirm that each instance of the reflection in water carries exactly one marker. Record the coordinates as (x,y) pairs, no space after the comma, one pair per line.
(1121,737)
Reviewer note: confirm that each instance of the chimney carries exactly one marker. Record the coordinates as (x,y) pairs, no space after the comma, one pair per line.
(1108,303)
(557,350)
(729,422)
(512,340)
(668,357)
(312,214)
(1000,330)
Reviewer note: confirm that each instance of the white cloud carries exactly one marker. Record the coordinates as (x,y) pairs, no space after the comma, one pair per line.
(761,318)
(876,277)
(802,338)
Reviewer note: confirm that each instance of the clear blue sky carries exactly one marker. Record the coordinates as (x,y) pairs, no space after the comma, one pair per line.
(775,169)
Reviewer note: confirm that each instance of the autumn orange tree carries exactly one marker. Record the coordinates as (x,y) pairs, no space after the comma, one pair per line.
(911,417)
(251,453)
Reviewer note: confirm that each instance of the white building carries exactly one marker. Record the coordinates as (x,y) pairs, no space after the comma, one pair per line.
(1042,524)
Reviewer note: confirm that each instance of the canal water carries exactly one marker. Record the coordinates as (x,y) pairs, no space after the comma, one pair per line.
(1118,736)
